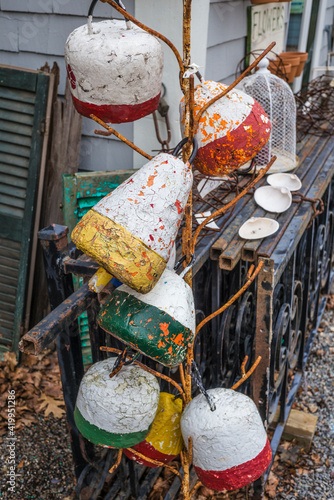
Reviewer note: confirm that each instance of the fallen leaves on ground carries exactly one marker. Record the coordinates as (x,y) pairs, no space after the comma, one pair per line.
(36,381)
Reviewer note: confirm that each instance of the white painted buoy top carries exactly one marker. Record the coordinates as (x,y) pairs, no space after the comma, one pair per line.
(227,437)
(151,202)
(114,65)
(172,295)
(124,403)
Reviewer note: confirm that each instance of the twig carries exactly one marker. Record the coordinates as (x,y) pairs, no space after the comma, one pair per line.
(262,172)
(155,462)
(246,375)
(118,461)
(230,302)
(234,84)
(118,135)
(146,368)
(149,30)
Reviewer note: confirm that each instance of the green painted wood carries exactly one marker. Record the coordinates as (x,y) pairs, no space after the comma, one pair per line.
(18,79)
(16,117)
(81,192)
(23,101)
(15,127)
(24,108)
(12,95)
(14,160)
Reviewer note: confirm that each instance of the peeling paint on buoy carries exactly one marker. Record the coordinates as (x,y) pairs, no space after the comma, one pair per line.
(131,231)
(116,412)
(230,132)
(230,445)
(164,441)
(160,324)
(114,72)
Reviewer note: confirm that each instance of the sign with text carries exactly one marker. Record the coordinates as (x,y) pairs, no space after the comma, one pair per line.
(266,25)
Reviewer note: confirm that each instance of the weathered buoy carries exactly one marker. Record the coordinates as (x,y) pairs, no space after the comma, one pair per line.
(160,324)
(115,73)
(116,412)
(131,231)
(230,132)
(230,444)
(164,441)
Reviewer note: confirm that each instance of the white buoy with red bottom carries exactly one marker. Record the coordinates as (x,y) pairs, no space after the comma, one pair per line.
(115,72)
(230,132)
(230,445)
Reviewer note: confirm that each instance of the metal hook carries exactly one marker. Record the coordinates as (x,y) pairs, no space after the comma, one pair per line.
(182,143)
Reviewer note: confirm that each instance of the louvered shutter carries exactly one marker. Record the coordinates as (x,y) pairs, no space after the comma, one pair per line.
(23,101)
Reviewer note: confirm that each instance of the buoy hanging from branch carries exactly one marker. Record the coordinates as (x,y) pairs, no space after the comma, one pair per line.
(116,412)
(131,231)
(164,442)
(230,445)
(230,132)
(115,72)
(160,324)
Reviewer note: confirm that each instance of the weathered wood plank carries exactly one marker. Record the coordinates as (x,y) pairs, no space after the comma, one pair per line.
(300,426)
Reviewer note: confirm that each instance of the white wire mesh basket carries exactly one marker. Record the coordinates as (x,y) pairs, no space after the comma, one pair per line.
(277,100)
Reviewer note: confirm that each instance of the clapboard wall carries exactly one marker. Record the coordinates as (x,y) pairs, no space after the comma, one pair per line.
(34,31)
(329,20)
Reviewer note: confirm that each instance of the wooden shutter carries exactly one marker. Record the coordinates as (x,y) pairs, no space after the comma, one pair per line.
(23,101)
(81,192)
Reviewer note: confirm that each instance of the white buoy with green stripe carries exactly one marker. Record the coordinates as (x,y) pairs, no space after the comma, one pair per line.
(116,412)
(160,324)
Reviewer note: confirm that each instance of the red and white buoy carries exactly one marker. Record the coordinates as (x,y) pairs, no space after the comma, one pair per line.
(115,72)
(116,412)
(230,445)
(131,232)
(164,441)
(230,132)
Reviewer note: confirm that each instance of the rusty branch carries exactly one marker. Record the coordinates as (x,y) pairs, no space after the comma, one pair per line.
(195,488)
(156,462)
(231,301)
(248,374)
(146,368)
(118,135)
(261,173)
(234,84)
(149,30)
(118,461)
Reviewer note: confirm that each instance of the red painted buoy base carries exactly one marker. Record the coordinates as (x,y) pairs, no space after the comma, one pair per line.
(117,113)
(228,152)
(238,476)
(149,451)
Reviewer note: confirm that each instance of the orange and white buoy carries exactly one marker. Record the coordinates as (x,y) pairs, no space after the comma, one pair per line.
(230,445)
(230,132)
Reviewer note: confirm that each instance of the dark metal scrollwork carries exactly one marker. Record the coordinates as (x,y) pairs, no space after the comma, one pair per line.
(295,317)
(316,271)
(279,357)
